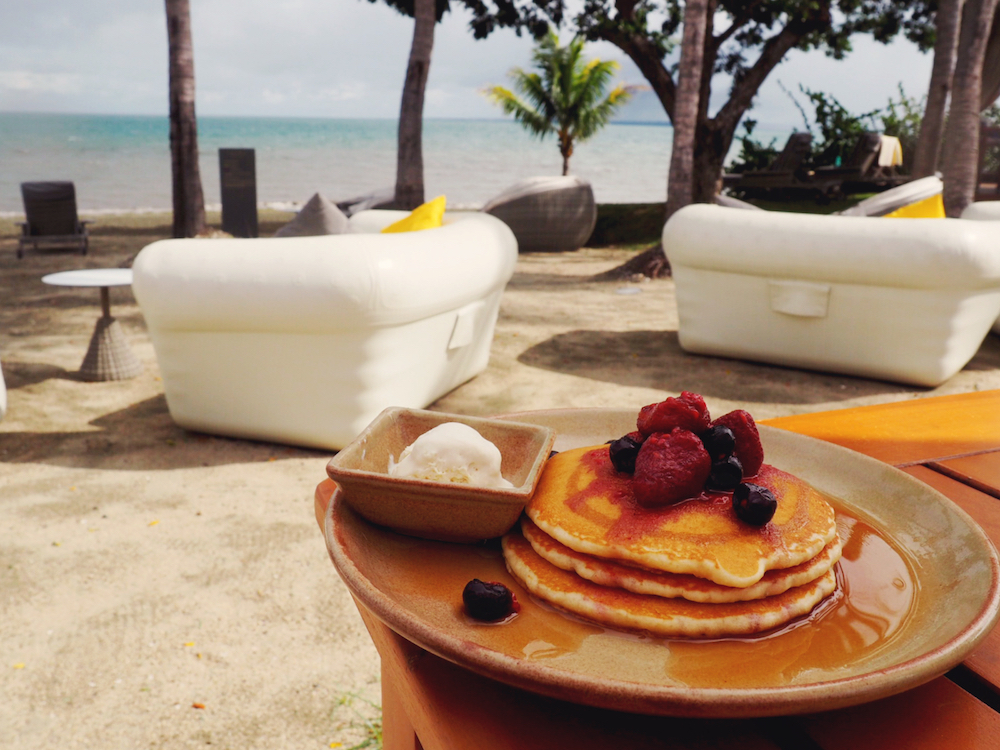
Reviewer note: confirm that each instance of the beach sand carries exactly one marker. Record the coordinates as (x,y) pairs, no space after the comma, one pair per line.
(167,589)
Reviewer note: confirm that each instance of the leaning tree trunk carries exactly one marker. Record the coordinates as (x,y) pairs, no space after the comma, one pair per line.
(948,21)
(711,147)
(188,199)
(409,155)
(960,153)
(680,186)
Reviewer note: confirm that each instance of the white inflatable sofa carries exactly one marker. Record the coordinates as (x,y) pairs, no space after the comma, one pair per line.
(304,340)
(984,211)
(906,300)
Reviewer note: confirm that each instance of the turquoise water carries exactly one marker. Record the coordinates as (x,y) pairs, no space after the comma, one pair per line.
(123,162)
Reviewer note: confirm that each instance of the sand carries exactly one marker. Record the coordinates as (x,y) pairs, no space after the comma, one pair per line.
(161,588)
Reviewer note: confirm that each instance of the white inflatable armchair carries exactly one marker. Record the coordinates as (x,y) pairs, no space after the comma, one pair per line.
(907,300)
(304,340)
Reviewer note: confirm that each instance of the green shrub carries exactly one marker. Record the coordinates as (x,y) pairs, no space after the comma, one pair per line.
(835,131)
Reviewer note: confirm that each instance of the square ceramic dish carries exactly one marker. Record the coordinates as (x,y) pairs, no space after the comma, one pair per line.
(439,510)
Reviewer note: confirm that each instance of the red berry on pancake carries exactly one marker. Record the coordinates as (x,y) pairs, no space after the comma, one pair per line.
(687,411)
(748,448)
(670,467)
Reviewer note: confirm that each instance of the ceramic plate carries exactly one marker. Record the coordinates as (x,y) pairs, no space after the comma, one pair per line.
(918,590)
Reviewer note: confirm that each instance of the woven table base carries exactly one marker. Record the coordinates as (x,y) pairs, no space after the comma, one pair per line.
(109,356)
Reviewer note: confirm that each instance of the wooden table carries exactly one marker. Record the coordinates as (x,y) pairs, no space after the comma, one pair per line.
(952,443)
(108,356)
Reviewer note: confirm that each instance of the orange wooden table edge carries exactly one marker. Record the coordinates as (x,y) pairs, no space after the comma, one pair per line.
(907,432)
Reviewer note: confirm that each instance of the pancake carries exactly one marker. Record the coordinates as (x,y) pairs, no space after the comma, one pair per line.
(676,585)
(625,610)
(582,502)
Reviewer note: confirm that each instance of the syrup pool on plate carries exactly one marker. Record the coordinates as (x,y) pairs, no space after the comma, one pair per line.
(859,622)
(874,596)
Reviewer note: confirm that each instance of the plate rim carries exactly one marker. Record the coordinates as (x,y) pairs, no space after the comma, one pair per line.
(678,700)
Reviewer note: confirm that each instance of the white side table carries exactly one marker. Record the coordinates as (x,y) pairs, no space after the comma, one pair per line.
(109,356)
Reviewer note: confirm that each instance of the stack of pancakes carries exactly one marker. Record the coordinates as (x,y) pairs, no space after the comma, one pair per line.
(691,569)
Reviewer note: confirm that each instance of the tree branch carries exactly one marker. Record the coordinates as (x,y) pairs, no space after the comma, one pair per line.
(647,58)
(746,87)
(738,22)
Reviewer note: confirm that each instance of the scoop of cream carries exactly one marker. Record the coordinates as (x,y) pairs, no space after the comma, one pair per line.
(451,452)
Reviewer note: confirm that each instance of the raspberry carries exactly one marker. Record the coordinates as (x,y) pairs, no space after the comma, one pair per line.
(670,467)
(748,448)
(688,411)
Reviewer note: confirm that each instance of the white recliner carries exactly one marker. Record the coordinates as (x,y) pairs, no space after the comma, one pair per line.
(907,300)
(304,340)
(984,211)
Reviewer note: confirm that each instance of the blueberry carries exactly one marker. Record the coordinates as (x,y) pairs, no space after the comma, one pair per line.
(623,452)
(720,442)
(725,475)
(754,504)
(553,453)
(487,601)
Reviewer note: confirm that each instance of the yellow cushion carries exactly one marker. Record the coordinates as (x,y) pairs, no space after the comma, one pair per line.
(426,216)
(928,208)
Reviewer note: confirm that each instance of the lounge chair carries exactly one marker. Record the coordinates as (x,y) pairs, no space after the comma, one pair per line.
(861,166)
(781,173)
(906,300)
(51,218)
(547,213)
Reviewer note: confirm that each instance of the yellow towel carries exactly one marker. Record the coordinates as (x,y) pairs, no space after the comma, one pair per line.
(890,152)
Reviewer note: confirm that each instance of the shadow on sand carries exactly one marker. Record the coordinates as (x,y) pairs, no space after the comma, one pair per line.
(114,443)
(654,359)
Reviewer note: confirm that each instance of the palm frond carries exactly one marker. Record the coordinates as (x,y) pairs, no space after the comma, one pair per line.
(533,88)
(594,118)
(521,111)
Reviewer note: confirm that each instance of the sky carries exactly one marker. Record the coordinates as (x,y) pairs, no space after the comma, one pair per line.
(344,58)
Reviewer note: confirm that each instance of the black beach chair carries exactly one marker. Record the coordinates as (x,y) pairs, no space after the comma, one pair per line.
(51,218)
(781,173)
(860,169)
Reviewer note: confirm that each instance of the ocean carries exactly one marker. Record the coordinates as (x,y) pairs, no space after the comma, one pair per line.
(122,163)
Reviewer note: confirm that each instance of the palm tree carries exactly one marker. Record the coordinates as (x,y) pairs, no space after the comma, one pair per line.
(960,151)
(409,152)
(947,20)
(680,184)
(566,97)
(188,198)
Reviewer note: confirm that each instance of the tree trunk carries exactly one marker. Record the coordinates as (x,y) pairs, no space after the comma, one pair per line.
(711,146)
(188,199)
(948,21)
(565,149)
(713,133)
(713,136)
(960,153)
(680,187)
(409,155)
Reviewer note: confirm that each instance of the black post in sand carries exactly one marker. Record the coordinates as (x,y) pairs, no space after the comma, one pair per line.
(238,184)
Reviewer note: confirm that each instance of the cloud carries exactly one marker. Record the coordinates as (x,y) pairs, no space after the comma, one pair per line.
(339,58)
(29,81)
